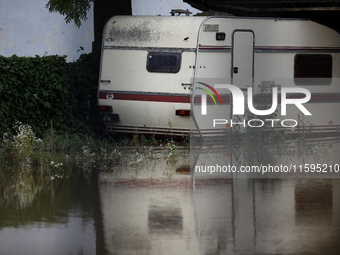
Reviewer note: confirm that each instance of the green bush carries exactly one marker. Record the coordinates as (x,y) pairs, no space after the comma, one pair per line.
(45,91)
(85,74)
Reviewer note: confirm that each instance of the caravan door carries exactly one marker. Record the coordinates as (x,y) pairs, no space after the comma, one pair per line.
(242,58)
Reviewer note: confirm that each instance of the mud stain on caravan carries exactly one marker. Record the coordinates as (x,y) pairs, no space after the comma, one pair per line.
(140,32)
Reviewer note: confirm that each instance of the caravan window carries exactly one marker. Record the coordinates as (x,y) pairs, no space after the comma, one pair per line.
(164,62)
(313,69)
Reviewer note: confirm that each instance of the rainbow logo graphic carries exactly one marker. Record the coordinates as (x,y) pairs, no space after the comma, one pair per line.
(209,93)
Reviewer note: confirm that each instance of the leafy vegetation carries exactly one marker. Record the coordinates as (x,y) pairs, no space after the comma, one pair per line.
(85,74)
(75,11)
(47,91)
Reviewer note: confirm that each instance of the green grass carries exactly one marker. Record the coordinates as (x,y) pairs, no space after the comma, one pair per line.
(59,155)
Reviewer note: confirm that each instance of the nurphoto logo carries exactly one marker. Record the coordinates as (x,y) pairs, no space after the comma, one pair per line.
(238,103)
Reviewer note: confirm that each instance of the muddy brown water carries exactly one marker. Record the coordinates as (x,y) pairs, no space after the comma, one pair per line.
(155,209)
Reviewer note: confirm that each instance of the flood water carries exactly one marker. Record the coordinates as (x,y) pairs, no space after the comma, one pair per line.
(55,219)
(161,208)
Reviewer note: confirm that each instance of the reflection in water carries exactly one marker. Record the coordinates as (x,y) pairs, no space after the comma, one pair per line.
(22,190)
(59,218)
(264,217)
(268,216)
(162,208)
(157,213)
(149,212)
(165,220)
(311,197)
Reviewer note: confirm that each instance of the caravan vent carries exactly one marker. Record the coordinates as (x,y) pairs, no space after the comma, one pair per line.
(211,27)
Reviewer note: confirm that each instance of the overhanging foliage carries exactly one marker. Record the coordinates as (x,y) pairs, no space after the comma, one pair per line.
(74,10)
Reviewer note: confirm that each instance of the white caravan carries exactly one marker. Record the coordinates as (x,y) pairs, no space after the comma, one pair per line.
(151,66)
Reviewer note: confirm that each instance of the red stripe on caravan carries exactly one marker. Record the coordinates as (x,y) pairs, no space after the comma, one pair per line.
(158,98)
(294,48)
(319,98)
(325,98)
(211,47)
(145,97)
(315,98)
(276,48)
